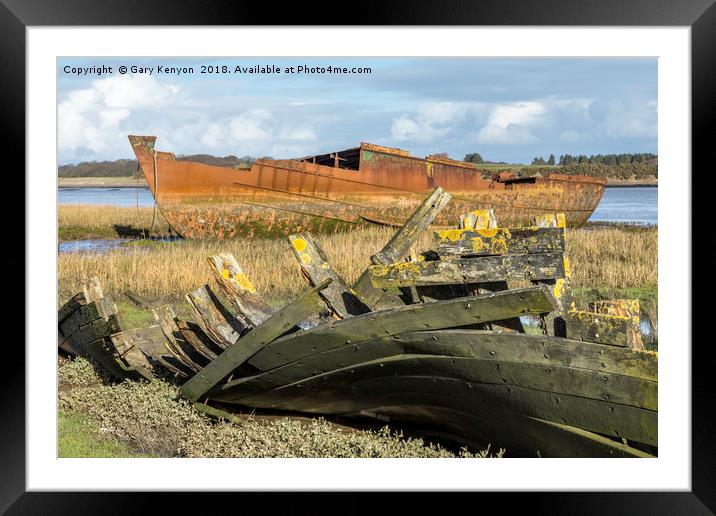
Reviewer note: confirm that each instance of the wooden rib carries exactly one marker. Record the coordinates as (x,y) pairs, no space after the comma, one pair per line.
(400,244)
(429,316)
(285,319)
(232,279)
(213,318)
(342,299)
(196,338)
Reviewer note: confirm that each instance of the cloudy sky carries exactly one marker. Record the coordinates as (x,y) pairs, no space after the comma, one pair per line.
(505,109)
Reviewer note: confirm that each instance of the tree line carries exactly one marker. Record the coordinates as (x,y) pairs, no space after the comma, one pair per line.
(635,170)
(602,159)
(129,167)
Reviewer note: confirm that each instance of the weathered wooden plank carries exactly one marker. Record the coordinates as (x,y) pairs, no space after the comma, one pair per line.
(401,242)
(484,220)
(92,290)
(103,353)
(520,436)
(74,303)
(479,269)
(626,308)
(216,322)
(343,300)
(148,340)
(554,323)
(100,309)
(97,329)
(127,344)
(614,330)
(166,319)
(535,350)
(478,219)
(242,293)
(400,380)
(186,354)
(429,316)
(554,377)
(196,338)
(550,220)
(282,321)
(484,242)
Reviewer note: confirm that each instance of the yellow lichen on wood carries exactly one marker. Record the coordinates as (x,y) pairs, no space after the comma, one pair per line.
(478,219)
(478,245)
(559,288)
(487,232)
(499,244)
(450,234)
(243,282)
(550,220)
(299,244)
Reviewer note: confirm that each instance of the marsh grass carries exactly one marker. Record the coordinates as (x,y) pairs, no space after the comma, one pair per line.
(79,221)
(607,258)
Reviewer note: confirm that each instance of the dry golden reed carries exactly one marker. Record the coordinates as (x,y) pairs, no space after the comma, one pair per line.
(610,257)
(613,258)
(101,217)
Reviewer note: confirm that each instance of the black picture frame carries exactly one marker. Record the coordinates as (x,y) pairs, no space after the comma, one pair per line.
(700,15)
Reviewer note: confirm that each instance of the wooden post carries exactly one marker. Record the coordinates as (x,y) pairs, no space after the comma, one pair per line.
(614,330)
(239,289)
(478,219)
(554,323)
(282,321)
(628,308)
(213,318)
(399,246)
(342,299)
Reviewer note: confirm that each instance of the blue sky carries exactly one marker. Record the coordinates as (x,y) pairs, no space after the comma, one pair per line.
(505,109)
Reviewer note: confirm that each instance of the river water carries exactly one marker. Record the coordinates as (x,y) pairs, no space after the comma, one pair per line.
(635,205)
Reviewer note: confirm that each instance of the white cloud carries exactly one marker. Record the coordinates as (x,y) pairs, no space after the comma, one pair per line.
(298,133)
(134,91)
(431,120)
(92,118)
(215,136)
(404,128)
(509,123)
(254,124)
(508,135)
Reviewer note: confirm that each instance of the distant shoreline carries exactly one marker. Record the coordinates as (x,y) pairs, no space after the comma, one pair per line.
(131,182)
(101,182)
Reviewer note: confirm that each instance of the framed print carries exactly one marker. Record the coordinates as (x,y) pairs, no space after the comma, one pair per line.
(394,255)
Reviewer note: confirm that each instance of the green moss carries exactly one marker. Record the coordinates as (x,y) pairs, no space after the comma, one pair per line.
(647,296)
(78,436)
(133,316)
(81,233)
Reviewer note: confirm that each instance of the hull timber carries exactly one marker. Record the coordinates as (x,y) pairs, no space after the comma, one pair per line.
(382,185)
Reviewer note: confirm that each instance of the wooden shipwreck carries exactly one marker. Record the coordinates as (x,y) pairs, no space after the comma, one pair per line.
(366,184)
(435,340)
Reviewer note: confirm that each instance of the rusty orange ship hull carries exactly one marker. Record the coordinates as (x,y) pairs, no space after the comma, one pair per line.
(367,184)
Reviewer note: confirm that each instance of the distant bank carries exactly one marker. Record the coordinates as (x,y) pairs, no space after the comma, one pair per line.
(130,182)
(100,182)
